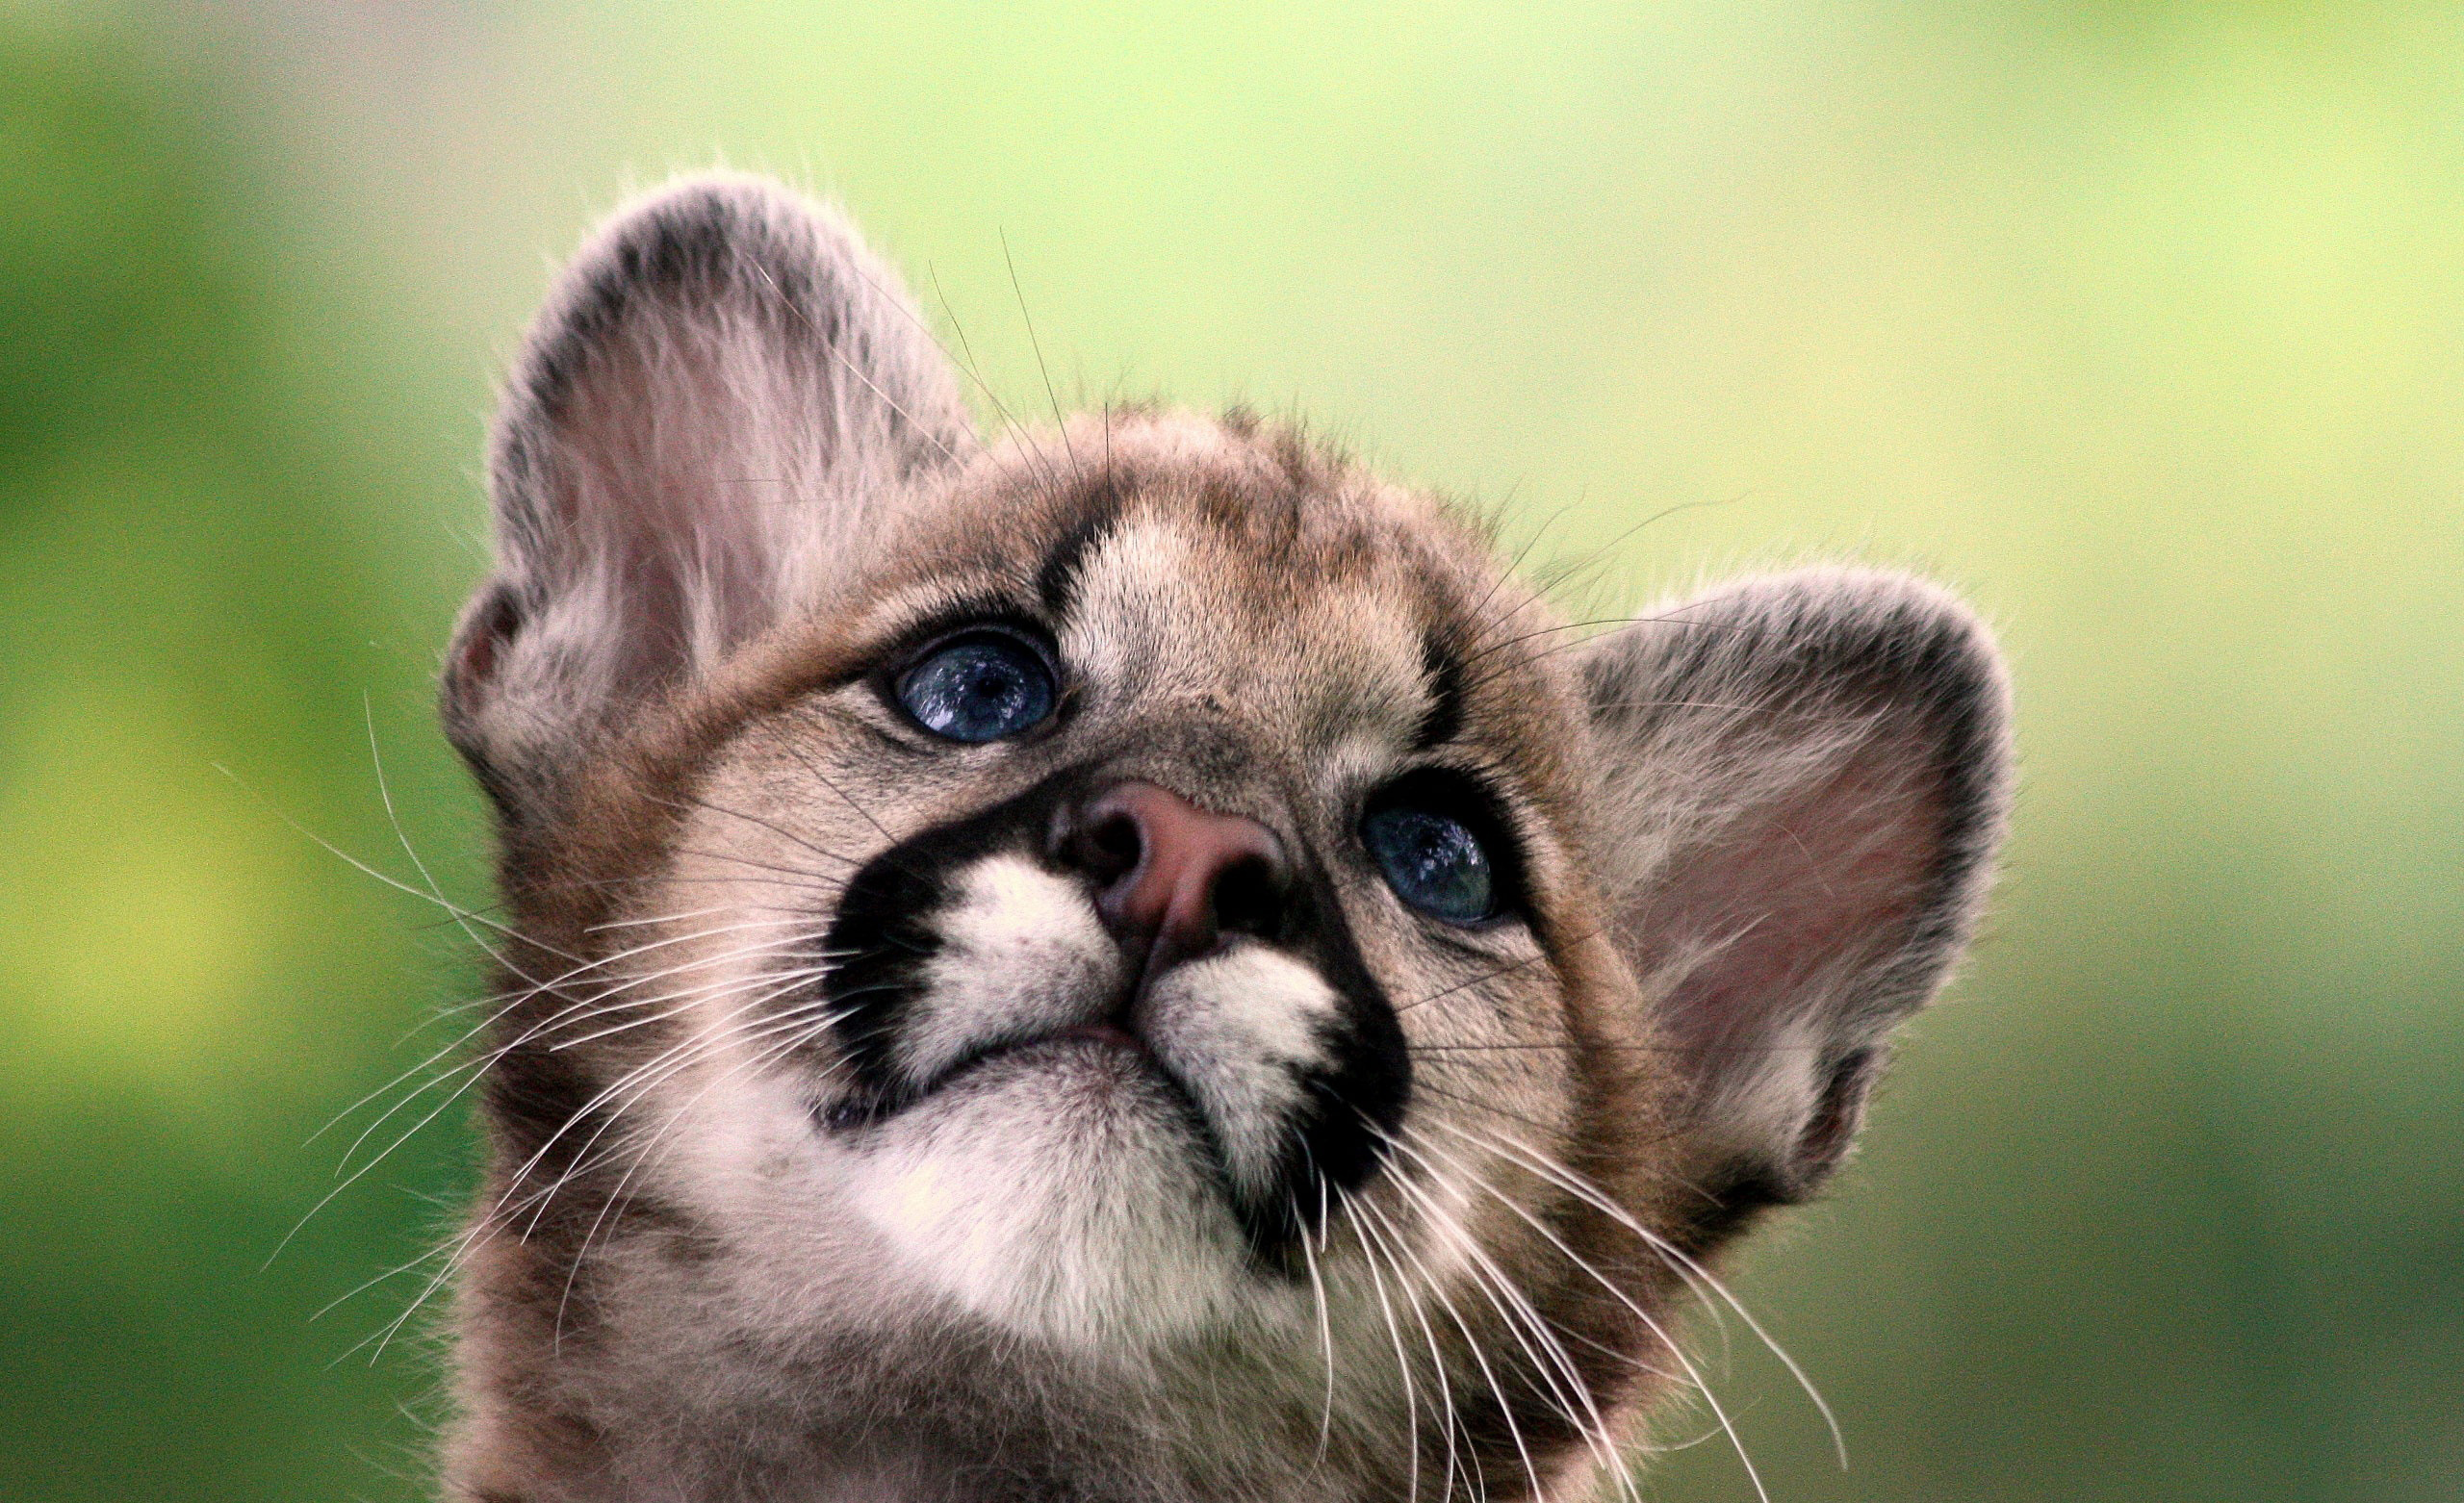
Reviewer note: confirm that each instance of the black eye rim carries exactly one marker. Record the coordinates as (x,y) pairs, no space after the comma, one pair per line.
(1469,799)
(890,676)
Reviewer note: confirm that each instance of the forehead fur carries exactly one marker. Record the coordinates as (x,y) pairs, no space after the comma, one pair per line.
(1298,513)
(1346,602)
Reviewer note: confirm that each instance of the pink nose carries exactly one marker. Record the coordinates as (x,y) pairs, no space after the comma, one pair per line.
(1172,877)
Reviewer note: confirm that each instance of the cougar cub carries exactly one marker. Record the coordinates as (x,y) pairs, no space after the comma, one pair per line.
(1131,960)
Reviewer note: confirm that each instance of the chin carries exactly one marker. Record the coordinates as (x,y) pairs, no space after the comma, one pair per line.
(1060,1191)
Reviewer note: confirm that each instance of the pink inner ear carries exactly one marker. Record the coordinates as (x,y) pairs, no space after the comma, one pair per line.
(667,465)
(1792,898)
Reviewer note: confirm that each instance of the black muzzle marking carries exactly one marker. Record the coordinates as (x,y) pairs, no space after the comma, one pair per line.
(886,934)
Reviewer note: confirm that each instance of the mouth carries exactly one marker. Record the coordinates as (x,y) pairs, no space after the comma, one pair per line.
(1090,1042)
(1109,1034)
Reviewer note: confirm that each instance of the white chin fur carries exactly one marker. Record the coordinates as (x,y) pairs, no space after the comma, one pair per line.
(1056,1191)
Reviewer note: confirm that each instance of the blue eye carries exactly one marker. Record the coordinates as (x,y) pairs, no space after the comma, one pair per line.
(1433,861)
(978,688)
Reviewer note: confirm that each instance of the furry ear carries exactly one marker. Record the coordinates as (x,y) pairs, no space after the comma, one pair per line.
(723,400)
(1804,780)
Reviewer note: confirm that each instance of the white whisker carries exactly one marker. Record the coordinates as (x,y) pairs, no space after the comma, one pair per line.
(1693,1374)
(1403,1362)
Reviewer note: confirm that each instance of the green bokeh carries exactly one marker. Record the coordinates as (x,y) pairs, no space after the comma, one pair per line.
(2143,322)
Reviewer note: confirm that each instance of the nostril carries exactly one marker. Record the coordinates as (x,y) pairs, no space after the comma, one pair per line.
(1110,848)
(1249,898)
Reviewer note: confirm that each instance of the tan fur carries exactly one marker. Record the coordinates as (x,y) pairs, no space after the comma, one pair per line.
(1752,831)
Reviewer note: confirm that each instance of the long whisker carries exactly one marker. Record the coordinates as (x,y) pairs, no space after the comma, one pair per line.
(1689,1268)
(1043,461)
(1396,1239)
(402,837)
(497,1216)
(1493,1283)
(1403,1362)
(612,1204)
(610,1093)
(616,1198)
(1436,1218)
(1513,568)
(1325,1319)
(695,801)
(477,1071)
(1478,1103)
(1028,319)
(600,999)
(1486,977)
(1371,1223)
(814,770)
(459,913)
(511,999)
(1693,1374)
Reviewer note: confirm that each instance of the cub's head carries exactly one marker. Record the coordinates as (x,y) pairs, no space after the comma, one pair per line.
(1138,928)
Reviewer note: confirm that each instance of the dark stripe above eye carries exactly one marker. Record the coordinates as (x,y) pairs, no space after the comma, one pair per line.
(1444,719)
(1057,581)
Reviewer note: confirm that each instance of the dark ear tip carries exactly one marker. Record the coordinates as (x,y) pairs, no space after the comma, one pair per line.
(708,209)
(1875,626)
(706,239)
(1847,633)
(716,225)
(718,327)
(727,251)
(1864,717)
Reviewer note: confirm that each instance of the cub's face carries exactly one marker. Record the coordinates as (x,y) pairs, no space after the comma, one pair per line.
(1140,929)
(1139,887)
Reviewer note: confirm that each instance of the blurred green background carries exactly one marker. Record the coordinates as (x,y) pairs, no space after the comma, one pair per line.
(2141,321)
